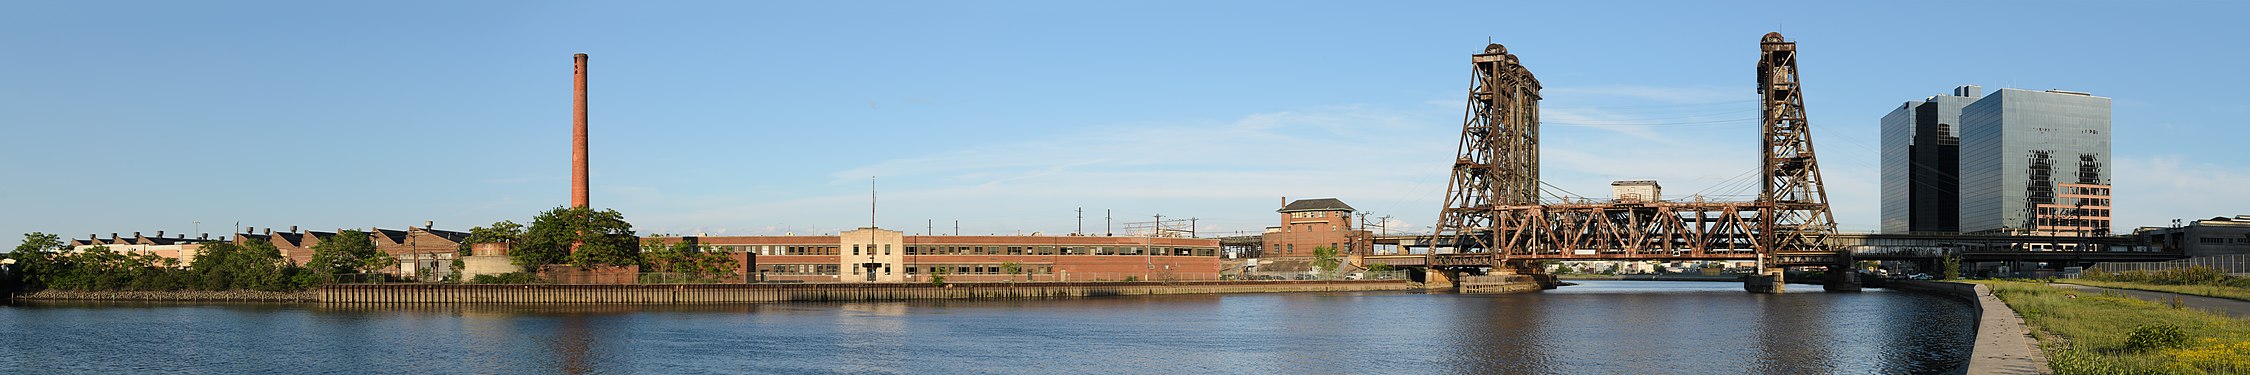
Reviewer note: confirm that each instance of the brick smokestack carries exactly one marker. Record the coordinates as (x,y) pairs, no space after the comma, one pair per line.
(578,133)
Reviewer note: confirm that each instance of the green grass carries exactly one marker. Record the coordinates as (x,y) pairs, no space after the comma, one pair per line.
(2085,333)
(2220,291)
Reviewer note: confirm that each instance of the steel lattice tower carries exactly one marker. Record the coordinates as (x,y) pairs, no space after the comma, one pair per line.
(1499,153)
(1799,220)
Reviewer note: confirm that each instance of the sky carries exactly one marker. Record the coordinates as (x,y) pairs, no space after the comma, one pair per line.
(755,118)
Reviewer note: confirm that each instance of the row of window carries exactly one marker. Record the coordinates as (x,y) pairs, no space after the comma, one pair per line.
(798,269)
(950,269)
(2218,241)
(773,249)
(886,249)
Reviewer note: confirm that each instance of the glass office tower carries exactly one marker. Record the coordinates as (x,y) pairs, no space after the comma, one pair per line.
(2035,162)
(1921,161)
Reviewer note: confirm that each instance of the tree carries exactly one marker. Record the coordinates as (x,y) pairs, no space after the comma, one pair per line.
(32,257)
(505,231)
(1326,260)
(1950,268)
(937,275)
(253,264)
(602,238)
(1012,268)
(683,258)
(350,251)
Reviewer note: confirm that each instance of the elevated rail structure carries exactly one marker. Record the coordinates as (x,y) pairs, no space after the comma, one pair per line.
(1493,221)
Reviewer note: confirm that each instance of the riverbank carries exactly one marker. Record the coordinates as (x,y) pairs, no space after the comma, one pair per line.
(2087,332)
(167,296)
(717,293)
(2004,344)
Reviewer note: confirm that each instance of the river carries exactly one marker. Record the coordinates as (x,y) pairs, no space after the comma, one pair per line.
(1600,327)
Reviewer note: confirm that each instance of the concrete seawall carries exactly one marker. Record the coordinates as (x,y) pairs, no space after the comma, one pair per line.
(755,293)
(2003,343)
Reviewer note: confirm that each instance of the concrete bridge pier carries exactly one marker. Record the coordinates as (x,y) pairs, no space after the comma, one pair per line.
(1434,278)
(1841,280)
(1767,281)
(1508,278)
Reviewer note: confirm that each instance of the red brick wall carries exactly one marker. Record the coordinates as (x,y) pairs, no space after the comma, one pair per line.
(1298,236)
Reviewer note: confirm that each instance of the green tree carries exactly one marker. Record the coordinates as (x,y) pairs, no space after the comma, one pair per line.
(1012,268)
(602,238)
(349,252)
(1325,260)
(33,257)
(505,231)
(1950,268)
(683,258)
(937,275)
(250,265)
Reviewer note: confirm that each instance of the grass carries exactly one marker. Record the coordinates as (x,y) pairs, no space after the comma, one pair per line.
(2220,291)
(2085,333)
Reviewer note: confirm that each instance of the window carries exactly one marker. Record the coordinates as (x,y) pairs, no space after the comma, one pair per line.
(2214,240)
(855,251)
(886,251)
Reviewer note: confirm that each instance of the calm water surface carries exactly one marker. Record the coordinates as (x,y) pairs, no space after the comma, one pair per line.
(1601,327)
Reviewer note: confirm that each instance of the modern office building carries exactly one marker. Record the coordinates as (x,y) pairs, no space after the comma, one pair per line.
(2016,161)
(2036,162)
(1921,163)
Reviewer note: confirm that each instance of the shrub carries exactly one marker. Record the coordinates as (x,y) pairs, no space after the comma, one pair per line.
(506,278)
(2150,337)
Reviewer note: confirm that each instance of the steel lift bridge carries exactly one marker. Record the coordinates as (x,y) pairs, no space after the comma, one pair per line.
(1494,226)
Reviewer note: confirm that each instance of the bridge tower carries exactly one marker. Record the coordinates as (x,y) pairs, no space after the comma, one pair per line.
(1797,225)
(1498,163)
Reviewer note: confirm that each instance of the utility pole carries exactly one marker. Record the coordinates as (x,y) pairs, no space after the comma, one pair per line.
(870,201)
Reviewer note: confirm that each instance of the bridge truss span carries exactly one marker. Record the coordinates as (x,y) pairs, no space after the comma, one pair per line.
(1493,218)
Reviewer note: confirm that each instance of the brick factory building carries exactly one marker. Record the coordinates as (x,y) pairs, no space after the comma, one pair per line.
(881,255)
(421,251)
(1311,223)
(178,247)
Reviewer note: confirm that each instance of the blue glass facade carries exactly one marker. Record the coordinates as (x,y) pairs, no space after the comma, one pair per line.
(2018,145)
(1921,151)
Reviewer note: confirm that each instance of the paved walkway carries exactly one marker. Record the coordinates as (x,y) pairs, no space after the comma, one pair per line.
(2229,307)
(2004,344)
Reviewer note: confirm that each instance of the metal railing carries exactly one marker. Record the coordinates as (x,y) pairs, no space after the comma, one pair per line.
(2238,265)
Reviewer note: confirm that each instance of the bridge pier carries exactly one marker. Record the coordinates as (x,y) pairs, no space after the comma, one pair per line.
(1767,281)
(1434,278)
(1510,277)
(1841,279)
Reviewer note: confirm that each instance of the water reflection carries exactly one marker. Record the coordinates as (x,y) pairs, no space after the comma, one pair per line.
(1600,327)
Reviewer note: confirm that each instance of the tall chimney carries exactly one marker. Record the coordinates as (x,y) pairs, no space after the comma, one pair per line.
(578,133)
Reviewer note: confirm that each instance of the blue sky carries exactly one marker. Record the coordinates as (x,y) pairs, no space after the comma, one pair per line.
(763,118)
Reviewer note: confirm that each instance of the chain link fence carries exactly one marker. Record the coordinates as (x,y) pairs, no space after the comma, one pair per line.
(2237,265)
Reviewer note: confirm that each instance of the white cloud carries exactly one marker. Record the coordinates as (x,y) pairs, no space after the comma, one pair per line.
(2151,191)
